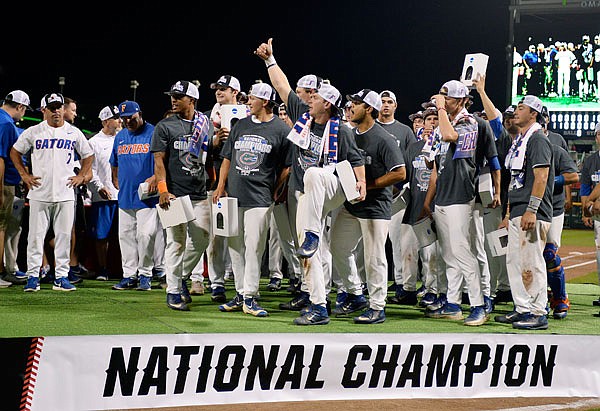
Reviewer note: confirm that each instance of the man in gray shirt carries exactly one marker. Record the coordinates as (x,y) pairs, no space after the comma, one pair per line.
(530,161)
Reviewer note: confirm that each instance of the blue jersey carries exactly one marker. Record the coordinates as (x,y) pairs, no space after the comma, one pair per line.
(9,133)
(131,153)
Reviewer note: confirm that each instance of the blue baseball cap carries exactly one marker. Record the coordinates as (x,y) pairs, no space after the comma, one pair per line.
(128,108)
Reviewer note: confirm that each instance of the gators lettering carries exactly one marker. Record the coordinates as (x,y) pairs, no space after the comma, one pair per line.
(134,148)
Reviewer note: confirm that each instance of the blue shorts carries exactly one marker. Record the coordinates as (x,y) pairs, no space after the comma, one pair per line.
(104,214)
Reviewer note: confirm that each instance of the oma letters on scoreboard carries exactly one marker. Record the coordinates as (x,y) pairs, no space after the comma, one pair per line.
(297,367)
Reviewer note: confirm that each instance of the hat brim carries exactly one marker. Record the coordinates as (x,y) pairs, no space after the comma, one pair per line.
(215,85)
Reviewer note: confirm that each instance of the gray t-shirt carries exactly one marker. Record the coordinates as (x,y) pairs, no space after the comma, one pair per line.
(590,171)
(401,132)
(186,174)
(563,163)
(418,174)
(537,154)
(300,159)
(558,140)
(486,149)
(257,152)
(381,154)
(456,176)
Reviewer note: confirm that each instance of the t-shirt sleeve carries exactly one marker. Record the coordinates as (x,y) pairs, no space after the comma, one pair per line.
(566,163)
(295,106)
(392,154)
(227,146)
(348,148)
(159,140)
(539,152)
(24,142)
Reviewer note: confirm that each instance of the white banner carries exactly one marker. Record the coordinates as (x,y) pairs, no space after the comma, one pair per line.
(138,371)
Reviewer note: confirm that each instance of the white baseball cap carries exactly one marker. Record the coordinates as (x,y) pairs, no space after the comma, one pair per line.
(227,81)
(19,97)
(310,81)
(263,91)
(597,129)
(330,94)
(108,112)
(367,96)
(454,89)
(388,94)
(184,87)
(533,102)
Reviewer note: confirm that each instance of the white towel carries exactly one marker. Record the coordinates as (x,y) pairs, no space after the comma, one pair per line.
(516,155)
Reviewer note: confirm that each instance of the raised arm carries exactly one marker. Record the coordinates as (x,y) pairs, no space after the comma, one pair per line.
(276,76)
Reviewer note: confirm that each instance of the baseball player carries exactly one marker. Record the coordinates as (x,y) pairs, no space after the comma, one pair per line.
(104,194)
(530,201)
(253,155)
(53,144)
(180,146)
(368,219)
(565,172)
(590,177)
(455,200)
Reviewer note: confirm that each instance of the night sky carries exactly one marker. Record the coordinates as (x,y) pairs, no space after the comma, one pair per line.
(409,47)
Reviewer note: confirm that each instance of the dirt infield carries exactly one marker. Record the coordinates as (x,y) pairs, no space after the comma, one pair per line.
(578,260)
(478,404)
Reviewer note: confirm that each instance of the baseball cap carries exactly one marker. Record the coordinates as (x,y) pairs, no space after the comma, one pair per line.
(454,89)
(413,116)
(510,110)
(128,108)
(367,96)
(597,129)
(108,112)
(184,87)
(263,91)
(330,94)
(310,81)
(227,81)
(19,97)
(388,94)
(429,111)
(52,98)
(532,102)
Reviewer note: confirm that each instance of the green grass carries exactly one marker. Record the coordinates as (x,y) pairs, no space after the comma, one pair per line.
(96,309)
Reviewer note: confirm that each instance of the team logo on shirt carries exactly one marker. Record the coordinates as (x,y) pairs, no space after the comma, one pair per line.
(250,152)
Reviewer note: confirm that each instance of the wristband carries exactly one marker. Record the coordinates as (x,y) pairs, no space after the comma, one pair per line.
(270,61)
(559,180)
(534,204)
(162,187)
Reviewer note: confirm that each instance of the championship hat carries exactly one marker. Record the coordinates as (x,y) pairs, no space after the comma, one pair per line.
(533,102)
(413,116)
(388,94)
(56,99)
(454,89)
(310,81)
(185,88)
(367,96)
(330,94)
(227,81)
(19,97)
(108,112)
(263,91)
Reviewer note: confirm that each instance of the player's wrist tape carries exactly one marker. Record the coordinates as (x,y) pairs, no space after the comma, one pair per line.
(270,61)
(534,204)
(162,187)
(559,180)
